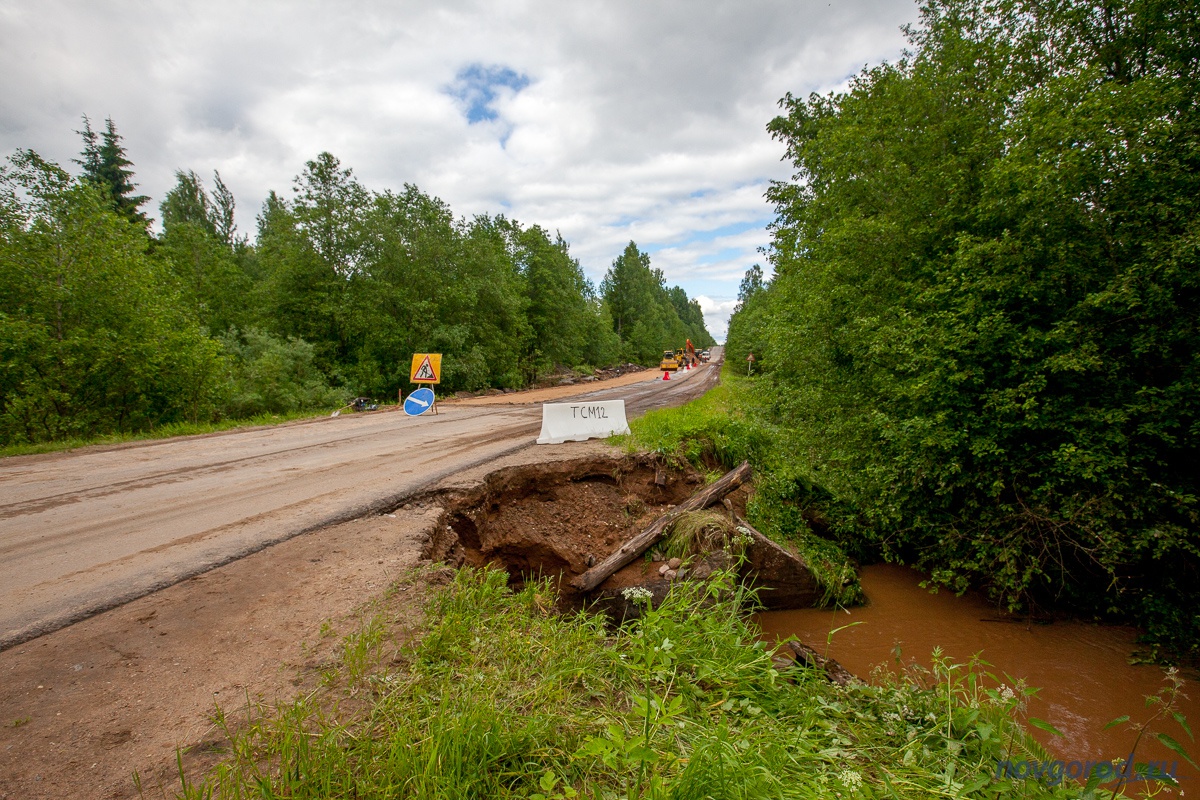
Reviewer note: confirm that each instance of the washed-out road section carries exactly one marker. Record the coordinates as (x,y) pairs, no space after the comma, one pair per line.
(85,531)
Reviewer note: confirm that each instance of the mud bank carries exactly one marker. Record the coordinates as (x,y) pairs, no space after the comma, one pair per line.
(558,520)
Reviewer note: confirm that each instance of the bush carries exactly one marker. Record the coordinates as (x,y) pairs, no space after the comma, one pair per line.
(272,375)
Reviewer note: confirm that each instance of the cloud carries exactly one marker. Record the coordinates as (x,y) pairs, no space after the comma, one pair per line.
(606,121)
(716,314)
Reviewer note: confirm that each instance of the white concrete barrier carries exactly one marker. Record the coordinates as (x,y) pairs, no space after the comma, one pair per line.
(575,422)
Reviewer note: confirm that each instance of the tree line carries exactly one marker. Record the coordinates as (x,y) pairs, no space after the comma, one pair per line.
(106,326)
(984,320)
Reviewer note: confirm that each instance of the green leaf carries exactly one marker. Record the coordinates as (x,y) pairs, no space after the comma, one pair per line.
(1176,747)
(1183,723)
(1046,726)
(548,781)
(1117,721)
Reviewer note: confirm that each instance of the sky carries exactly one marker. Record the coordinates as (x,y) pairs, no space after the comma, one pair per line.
(608,122)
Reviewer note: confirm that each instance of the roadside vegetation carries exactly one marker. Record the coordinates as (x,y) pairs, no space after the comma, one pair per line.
(110,328)
(721,430)
(982,326)
(500,696)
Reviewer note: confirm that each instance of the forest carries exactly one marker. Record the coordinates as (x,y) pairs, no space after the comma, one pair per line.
(107,326)
(982,327)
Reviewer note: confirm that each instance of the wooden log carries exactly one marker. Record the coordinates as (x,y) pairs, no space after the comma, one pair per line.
(833,670)
(643,541)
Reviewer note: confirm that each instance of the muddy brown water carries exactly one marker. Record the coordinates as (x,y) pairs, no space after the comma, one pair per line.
(1082,669)
(557,520)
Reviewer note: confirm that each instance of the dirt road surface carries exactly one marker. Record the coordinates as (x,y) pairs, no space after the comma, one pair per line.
(226,567)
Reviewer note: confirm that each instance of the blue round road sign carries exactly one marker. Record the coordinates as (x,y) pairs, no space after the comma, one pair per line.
(419,402)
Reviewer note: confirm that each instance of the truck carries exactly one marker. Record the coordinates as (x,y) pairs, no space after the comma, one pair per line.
(669,362)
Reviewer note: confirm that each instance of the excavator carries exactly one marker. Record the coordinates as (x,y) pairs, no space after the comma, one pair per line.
(673,360)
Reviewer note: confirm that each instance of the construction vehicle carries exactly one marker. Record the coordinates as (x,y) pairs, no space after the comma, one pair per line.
(669,362)
(686,356)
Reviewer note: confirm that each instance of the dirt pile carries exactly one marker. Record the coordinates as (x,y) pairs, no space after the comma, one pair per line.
(557,521)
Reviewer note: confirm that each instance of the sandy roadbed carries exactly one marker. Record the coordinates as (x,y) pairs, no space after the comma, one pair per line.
(87,706)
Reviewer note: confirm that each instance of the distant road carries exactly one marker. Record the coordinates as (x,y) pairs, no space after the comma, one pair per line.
(84,531)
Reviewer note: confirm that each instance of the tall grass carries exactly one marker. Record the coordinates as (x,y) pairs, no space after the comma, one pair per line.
(501,697)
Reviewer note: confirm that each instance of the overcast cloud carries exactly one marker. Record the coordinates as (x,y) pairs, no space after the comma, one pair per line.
(606,121)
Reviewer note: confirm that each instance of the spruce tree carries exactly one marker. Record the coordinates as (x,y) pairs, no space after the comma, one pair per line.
(106,166)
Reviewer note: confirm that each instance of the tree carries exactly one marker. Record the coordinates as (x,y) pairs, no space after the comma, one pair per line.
(560,311)
(199,247)
(984,316)
(752,283)
(106,165)
(747,328)
(644,311)
(91,337)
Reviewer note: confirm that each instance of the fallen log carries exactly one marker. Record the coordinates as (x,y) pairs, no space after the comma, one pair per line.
(642,542)
(834,671)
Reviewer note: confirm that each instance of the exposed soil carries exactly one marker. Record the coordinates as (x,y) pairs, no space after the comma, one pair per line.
(557,520)
(86,707)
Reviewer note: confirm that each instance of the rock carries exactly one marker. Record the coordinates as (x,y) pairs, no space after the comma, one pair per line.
(663,569)
(675,563)
(670,574)
(782,578)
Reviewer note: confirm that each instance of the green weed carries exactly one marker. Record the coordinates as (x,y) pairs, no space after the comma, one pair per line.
(502,697)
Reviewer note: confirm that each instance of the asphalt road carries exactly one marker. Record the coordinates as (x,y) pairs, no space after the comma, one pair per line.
(85,531)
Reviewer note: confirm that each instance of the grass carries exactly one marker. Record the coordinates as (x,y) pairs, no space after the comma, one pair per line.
(502,697)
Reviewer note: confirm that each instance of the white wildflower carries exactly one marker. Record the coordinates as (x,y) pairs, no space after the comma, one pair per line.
(743,537)
(1006,693)
(850,779)
(637,594)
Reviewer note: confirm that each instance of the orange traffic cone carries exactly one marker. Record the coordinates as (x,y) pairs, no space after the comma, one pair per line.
(666,375)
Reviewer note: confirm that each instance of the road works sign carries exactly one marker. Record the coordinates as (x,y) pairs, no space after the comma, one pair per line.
(419,402)
(575,422)
(426,368)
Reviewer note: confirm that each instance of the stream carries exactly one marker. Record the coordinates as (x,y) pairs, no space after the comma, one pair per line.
(1081,668)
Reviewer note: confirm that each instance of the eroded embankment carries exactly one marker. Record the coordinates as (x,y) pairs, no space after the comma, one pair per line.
(556,520)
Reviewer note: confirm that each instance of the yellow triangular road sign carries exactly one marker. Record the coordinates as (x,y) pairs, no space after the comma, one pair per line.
(426,368)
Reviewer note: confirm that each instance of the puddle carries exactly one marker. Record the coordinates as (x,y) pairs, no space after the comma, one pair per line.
(1081,668)
(557,520)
